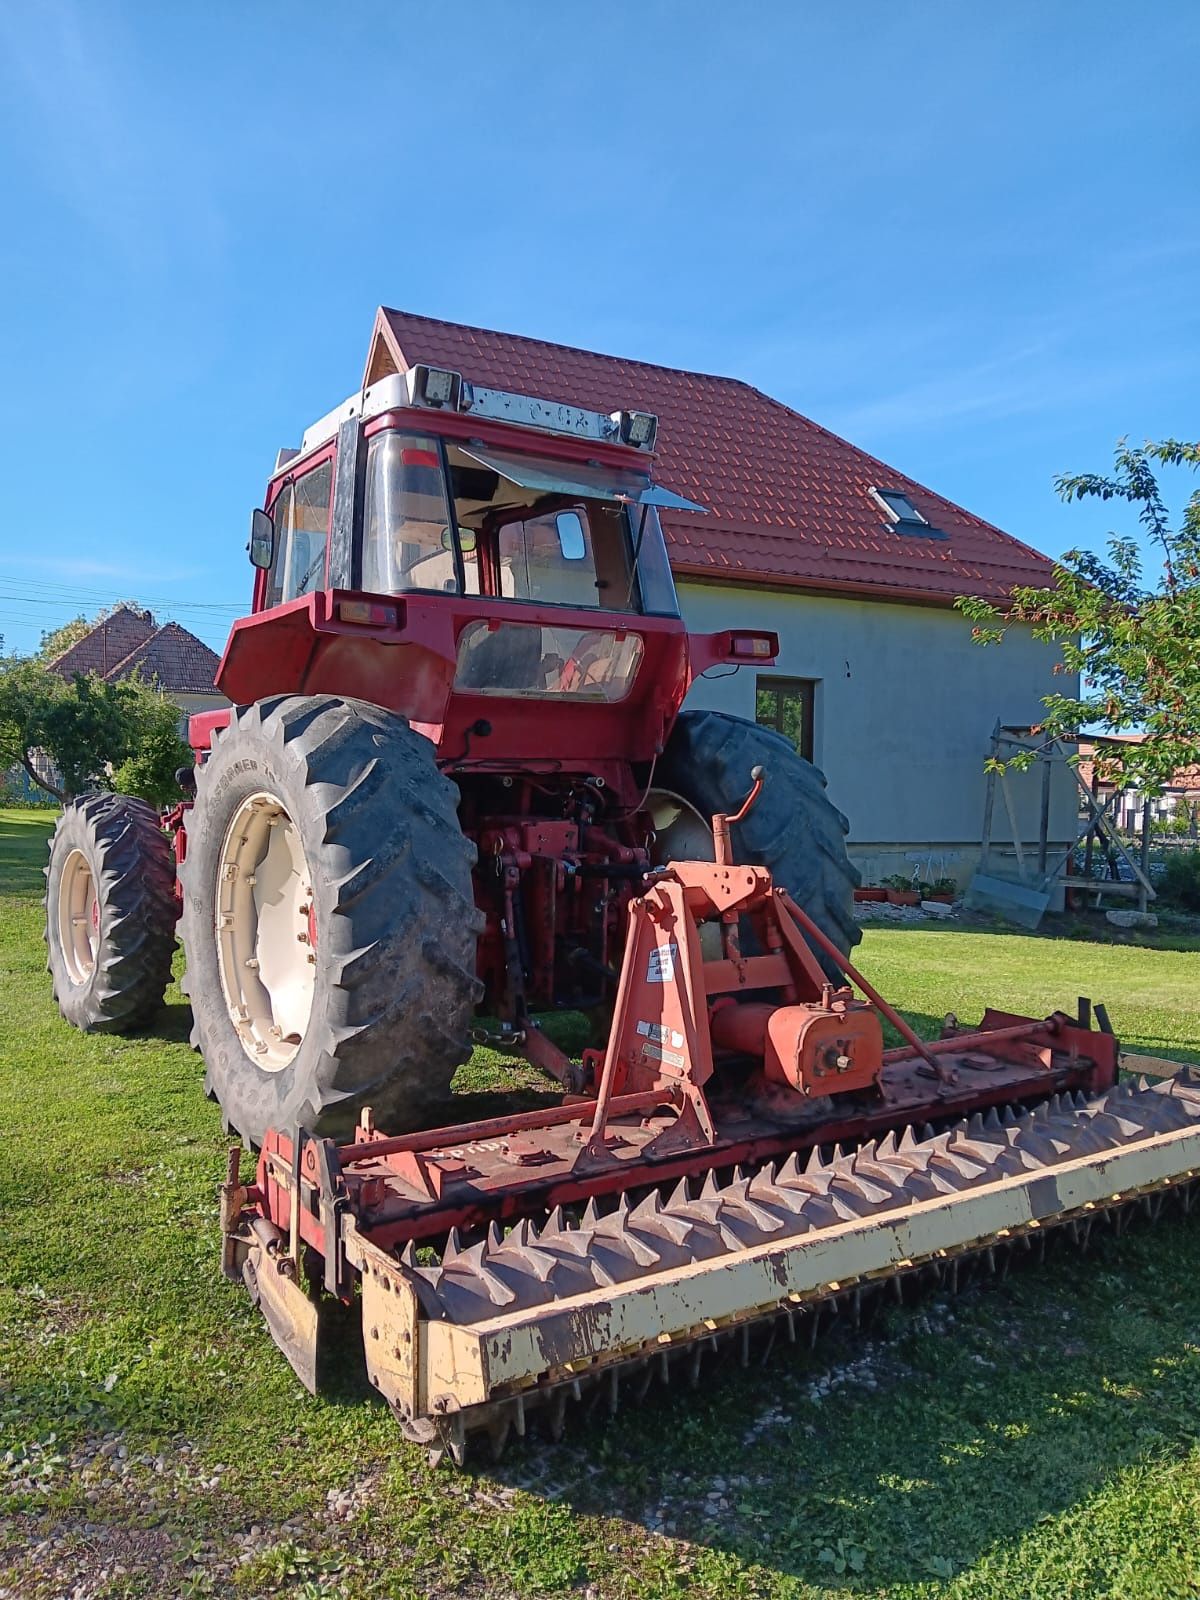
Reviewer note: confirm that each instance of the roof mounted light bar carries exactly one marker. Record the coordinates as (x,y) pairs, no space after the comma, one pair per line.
(441,389)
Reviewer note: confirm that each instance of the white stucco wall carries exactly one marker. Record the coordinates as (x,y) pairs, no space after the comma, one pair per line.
(189,704)
(904,709)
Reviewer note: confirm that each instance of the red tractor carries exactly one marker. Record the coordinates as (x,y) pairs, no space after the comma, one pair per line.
(459,782)
(457,751)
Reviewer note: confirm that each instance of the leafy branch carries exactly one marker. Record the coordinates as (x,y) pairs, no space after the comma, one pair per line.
(1133,646)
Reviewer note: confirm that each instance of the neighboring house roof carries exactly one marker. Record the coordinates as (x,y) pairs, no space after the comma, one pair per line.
(1185,780)
(169,656)
(109,642)
(790,502)
(174,659)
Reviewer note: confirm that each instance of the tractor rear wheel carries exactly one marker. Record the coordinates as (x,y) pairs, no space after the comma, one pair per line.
(110,913)
(329,919)
(794,829)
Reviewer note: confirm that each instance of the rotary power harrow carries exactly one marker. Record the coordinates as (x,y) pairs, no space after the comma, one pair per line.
(745,1157)
(457,779)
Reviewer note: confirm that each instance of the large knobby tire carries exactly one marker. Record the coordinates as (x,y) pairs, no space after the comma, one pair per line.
(110,913)
(328,897)
(794,828)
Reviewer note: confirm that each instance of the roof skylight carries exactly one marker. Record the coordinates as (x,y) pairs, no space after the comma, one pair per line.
(903,516)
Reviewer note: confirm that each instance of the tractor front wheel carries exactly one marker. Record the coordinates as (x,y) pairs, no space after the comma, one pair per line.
(329,920)
(110,913)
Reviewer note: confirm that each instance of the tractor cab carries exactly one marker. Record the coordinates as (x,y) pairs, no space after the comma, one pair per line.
(453,552)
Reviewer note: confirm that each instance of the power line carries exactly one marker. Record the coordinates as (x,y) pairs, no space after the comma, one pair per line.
(165,605)
(211,609)
(70,593)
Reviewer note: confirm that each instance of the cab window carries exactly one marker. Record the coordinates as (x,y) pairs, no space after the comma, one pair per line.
(408,542)
(539,540)
(301,516)
(553,558)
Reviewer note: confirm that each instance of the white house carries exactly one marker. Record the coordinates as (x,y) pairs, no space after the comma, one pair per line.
(854,564)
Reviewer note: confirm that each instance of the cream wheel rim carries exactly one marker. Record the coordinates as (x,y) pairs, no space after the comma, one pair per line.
(78,917)
(682,834)
(266,932)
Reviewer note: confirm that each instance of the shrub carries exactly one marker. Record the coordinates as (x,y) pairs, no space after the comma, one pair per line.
(1179,882)
(149,769)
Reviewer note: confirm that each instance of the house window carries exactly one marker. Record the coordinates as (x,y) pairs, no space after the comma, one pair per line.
(786,704)
(902,515)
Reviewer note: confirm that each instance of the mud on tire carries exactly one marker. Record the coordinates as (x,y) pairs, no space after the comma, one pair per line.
(393,919)
(110,913)
(794,830)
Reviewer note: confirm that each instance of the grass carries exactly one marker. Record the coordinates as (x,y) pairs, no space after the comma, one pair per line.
(1040,1438)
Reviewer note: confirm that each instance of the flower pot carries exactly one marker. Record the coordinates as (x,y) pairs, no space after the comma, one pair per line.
(903,897)
(941,899)
(870,894)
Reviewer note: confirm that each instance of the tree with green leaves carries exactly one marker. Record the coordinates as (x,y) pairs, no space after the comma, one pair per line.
(1132,639)
(57,641)
(158,750)
(69,736)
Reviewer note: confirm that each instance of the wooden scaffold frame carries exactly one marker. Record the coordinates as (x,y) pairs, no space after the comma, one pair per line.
(1038,876)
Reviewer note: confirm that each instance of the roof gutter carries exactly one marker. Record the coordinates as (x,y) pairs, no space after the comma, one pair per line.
(846,588)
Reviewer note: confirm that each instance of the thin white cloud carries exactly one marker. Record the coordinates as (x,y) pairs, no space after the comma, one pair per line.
(994,391)
(84,567)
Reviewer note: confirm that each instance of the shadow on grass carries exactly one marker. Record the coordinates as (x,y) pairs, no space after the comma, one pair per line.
(23,837)
(1180,933)
(971,1439)
(983,1418)
(172,1024)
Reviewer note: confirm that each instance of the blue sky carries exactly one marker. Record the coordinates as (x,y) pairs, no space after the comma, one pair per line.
(966,237)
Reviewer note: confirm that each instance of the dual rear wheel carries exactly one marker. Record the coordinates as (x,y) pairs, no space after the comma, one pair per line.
(110,913)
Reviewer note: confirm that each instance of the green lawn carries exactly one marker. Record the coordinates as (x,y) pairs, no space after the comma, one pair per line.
(1038,1438)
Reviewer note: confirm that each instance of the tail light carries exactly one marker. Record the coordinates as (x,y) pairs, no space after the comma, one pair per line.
(368,613)
(754,646)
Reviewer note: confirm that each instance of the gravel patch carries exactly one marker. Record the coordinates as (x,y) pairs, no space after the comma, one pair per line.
(101,1517)
(868,911)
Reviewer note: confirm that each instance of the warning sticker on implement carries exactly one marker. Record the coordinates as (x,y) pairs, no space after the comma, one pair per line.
(660,1034)
(672,1058)
(661,968)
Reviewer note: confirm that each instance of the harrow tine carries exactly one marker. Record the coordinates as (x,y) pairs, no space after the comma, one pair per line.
(577,1253)
(769,1341)
(498,1435)
(556,1415)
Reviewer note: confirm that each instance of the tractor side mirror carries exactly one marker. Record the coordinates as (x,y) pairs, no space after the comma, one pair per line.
(262,539)
(570,536)
(466,540)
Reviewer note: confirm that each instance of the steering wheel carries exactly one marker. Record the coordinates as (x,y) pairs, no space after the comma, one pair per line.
(579,663)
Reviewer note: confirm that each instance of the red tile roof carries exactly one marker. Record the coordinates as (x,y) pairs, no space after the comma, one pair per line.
(1184,779)
(109,642)
(130,641)
(174,659)
(790,502)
